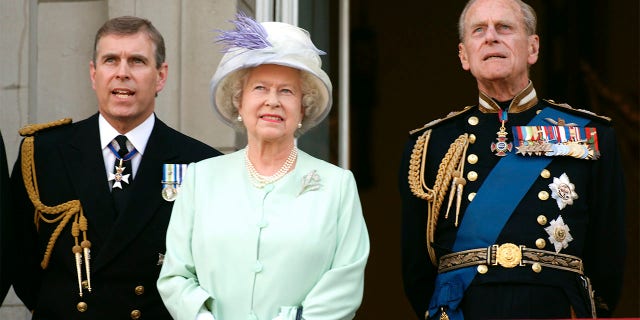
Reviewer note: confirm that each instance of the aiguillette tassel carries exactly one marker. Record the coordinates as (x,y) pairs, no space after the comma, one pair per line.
(460,186)
(77,252)
(443,314)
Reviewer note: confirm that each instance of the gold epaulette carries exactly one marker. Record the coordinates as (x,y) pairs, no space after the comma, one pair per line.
(31,129)
(451,115)
(61,214)
(587,113)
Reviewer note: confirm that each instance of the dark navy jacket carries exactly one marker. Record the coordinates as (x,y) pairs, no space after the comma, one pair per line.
(595,220)
(125,253)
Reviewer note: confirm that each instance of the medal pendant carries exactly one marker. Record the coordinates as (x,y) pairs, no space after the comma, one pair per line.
(119,171)
(172,175)
(169,193)
(118,177)
(503,145)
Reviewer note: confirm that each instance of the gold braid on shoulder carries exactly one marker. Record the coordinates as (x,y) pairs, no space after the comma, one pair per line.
(60,214)
(450,173)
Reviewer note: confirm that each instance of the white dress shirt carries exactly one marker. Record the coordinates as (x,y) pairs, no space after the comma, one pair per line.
(137,138)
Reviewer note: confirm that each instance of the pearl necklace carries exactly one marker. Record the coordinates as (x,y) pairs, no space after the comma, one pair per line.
(259,180)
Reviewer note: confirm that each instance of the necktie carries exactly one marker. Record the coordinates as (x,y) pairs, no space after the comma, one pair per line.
(122,174)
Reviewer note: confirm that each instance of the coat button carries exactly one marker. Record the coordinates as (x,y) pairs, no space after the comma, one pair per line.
(540,243)
(542,220)
(258,267)
(545,174)
(263,224)
(82,306)
(536,267)
(543,195)
(472,159)
(473,121)
(472,138)
(482,269)
(139,290)
(471,196)
(472,176)
(136,314)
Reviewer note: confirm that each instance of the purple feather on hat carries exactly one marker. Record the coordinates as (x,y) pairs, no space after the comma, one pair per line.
(248,34)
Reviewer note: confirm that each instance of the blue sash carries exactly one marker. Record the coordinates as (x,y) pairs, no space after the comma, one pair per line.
(509,181)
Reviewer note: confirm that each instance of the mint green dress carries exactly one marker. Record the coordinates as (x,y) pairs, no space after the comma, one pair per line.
(246,253)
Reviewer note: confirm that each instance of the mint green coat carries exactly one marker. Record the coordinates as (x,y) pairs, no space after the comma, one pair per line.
(248,253)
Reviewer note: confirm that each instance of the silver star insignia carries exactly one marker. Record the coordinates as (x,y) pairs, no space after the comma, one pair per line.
(559,234)
(563,191)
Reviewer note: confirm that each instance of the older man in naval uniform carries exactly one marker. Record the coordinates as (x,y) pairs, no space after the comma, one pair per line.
(512,208)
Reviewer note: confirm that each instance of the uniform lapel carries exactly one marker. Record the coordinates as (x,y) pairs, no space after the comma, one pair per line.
(84,162)
(146,198)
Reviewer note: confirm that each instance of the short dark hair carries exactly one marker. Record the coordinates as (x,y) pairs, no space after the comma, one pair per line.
(129,25)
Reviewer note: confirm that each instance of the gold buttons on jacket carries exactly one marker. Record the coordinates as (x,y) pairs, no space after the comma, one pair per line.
(473,121)
(472,159)
(472,176)
(139,290)
(136,314)
(472,138)
(536,267)
(85,284)
(541,243)
(82,306)
(471,196)
(545,174)
(482,269)
(542,220)
(543,195)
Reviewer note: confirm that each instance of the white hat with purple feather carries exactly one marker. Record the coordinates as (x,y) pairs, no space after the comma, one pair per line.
(252,44)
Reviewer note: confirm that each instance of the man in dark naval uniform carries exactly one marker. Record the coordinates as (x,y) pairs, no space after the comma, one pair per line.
(512,208)
(94,198)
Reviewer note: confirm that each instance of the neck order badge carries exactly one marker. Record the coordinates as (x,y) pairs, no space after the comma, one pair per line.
(122,172)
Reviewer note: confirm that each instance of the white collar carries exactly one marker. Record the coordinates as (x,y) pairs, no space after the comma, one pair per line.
(138,137)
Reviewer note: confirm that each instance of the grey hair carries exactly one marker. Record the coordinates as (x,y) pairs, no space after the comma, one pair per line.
(310,95)
(530,19)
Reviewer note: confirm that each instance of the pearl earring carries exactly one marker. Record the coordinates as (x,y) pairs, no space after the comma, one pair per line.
(239,118)
(299,125)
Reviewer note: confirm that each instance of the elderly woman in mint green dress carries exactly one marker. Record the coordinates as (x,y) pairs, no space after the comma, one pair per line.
(267,232)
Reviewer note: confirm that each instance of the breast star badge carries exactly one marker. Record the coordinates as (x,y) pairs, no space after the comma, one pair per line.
(563,191)
(559,234)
